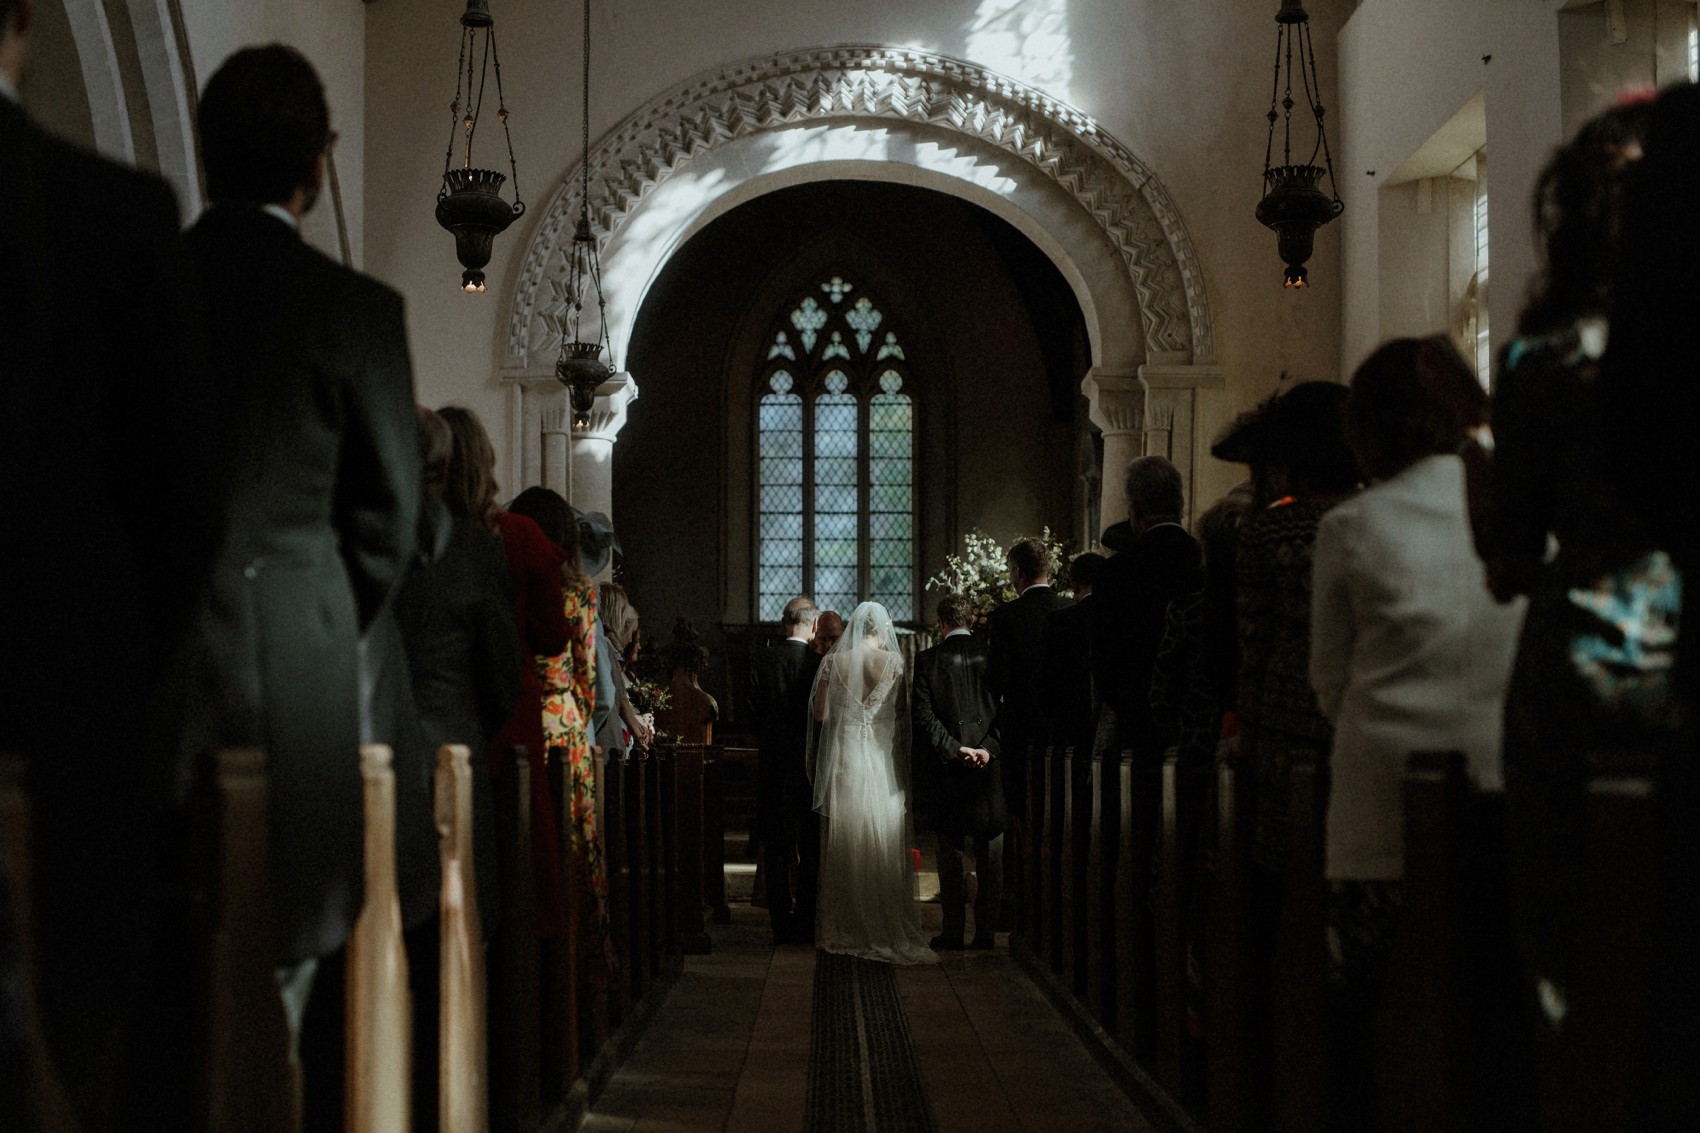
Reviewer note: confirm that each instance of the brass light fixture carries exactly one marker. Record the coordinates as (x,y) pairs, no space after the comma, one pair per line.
(1293,204)
(580,367)
(470,202)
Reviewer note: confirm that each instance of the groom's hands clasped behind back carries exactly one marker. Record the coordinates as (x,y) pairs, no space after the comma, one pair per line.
(974,756)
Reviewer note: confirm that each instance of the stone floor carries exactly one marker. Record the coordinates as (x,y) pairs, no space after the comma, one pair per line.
(729,1048)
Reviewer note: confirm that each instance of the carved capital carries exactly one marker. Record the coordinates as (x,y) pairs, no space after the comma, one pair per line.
(608,416)
(1115,400)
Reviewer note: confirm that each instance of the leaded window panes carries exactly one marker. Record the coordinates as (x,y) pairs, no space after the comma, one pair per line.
(836,464)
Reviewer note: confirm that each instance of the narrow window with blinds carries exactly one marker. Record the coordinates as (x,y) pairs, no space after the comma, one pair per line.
(835,439)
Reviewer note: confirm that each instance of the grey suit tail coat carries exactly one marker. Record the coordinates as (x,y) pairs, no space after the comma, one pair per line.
(321,484)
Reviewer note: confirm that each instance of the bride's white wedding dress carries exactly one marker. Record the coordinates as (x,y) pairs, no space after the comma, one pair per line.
(858,760)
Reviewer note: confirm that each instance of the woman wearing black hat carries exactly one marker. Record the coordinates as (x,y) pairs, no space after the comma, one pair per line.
(1298,443)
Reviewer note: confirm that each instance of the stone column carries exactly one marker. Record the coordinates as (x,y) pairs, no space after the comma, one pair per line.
(1151,411)
(557,443)
(1171,417)
(593,445)
(1116,404)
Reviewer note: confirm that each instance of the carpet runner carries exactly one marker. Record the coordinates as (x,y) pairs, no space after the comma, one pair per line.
(863,1073)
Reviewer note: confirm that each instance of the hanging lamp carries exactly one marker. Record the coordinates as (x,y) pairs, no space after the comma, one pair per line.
(1293,204)
(470,202)
(580,367)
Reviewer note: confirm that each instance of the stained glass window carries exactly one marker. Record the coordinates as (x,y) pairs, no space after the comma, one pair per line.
(780,565)
(836,463)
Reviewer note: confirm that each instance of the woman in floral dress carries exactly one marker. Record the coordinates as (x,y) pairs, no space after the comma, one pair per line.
(569,698)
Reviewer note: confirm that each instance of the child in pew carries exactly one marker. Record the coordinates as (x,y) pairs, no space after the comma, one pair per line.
(1409,652)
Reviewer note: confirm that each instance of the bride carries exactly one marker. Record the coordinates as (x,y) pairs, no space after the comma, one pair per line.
(858,761)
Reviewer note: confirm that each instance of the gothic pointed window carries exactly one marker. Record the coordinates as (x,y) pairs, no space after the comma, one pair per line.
(835,437)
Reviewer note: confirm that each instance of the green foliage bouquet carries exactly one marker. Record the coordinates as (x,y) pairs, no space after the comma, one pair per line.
(981,572)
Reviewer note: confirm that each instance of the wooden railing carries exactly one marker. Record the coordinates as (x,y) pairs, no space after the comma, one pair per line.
(1115,860)
(527,1032)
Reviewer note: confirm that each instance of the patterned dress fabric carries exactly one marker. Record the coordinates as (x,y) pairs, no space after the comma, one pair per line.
(569,697)
(1277,707)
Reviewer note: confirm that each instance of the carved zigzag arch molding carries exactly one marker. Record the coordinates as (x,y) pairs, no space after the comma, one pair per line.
(846,84)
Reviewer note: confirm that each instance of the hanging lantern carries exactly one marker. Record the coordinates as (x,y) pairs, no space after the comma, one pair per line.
(470,202)
(1293,203)
(580,367)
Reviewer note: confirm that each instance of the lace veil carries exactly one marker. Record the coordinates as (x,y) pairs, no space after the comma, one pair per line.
(860,713)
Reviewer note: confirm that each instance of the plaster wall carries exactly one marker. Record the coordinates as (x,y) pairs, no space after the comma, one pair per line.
(332,34)
(1543,68)
(1182,86)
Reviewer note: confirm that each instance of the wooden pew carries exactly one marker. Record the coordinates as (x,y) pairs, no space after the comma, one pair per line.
(463,1085)
(655,945)
(515,996)
(667,851)
(715,770)
(1056,791)
(1301,965)
(1070,968)
(1080,882)
(380,1029)
(1168,942)
(693,934)
(1228,980)
(637,857)
(1100,876)
(1136,808)
(611,808)
(562,958)
(1610,1010)
(251,1083)
(1415,1080)
(1035,919)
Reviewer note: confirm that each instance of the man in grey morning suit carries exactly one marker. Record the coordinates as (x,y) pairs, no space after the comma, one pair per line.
(956,738)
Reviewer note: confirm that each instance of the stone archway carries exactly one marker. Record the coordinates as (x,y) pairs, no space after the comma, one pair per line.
(715,141)
(140,89)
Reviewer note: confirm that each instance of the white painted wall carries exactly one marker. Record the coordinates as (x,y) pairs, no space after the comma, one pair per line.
(332,35)
(1407,66)
(1184,86)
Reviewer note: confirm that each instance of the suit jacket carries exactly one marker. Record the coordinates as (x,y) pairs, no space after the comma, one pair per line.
(109,534)
(952,707)
(1133,596)
(1069,692)
(781,680)
(321,484)
(1013,631)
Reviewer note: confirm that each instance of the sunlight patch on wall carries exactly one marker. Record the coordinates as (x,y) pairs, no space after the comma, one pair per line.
(1026,40)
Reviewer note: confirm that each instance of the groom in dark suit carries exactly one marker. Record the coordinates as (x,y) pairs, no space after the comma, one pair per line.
(956,740)
(1014,630)
(321,479)
(781,679)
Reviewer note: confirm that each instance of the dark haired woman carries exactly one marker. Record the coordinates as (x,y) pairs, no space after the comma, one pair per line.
(1594,663)
(1409,652)
(534,565)
(1650,399)
(569,698)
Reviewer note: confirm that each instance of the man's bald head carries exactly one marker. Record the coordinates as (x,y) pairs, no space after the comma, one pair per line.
(798,620)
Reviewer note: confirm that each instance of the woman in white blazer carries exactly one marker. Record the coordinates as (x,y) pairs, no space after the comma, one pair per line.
(1409,651)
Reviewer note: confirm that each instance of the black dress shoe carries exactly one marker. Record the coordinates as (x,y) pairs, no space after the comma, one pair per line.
(943,943)
(984,943)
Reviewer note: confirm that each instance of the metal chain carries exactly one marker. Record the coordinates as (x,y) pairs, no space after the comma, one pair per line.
(454,108)
(502,117)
